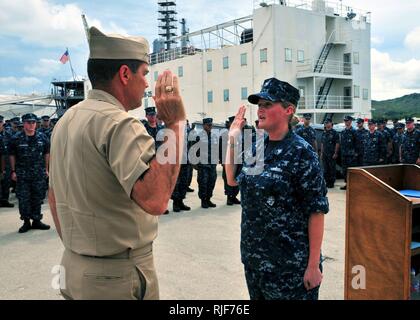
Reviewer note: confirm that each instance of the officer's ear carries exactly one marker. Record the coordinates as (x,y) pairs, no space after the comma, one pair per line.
(124,74)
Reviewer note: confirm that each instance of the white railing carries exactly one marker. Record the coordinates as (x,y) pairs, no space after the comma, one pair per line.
(329,7)
(330,67)
(331,102)
(172,54)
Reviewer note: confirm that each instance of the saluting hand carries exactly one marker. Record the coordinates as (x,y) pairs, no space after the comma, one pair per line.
(238,124)
(168,99)
(13,177)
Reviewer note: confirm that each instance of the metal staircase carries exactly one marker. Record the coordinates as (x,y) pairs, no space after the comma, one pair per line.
(323,57)
(323,93)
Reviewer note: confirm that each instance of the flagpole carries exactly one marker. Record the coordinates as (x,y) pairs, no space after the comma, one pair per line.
(71,66)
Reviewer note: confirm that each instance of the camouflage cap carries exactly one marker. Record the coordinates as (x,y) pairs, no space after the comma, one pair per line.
(275,90)
(208,121)
(29,117)
(150,111)
(117,47)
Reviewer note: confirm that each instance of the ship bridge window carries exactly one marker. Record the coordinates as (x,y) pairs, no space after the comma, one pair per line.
(244,59)
(300,56)
(357,91)
(365,94)
(209,66)
(226,95)
(209,96)
(244,93)
(225,62)
(356,58)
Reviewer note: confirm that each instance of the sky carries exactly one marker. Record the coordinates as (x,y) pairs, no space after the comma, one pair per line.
(35,33)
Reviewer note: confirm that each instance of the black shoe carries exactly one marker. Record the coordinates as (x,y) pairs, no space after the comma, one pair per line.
(211,204)
(176,207)
(229,201)
(204,204)
(26,226)
(236,201)
(183,207)
(166,212)
(190,190)
(344,187)
(6,204)
(37,224)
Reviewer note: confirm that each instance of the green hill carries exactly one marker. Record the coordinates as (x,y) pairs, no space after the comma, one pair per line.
(398,108)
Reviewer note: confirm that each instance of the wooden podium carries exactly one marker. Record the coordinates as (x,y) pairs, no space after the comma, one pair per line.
(381,224)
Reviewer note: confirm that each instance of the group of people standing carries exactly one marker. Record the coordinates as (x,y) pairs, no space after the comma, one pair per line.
(356,147)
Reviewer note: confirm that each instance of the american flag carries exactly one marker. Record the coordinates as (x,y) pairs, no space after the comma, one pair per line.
(65,57)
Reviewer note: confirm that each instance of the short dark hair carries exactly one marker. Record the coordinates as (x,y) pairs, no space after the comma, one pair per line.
(102,71)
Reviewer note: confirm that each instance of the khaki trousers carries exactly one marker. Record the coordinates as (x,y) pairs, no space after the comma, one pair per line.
(130,275)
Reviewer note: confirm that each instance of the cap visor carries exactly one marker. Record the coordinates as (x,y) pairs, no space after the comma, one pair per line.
(254,98)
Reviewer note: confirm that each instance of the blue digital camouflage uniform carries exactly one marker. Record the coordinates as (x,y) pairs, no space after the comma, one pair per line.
(329,140)
(360,137)
(30,171)
(182,181)
(307,133)
(153,132)
(276,206)
(396,144)
(374,149)
(386,136)
(6,136)
(348,150)
(46,131)
(206,169)
(410,147)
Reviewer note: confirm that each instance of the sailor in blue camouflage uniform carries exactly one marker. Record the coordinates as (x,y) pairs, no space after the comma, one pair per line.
(45,127)
(361,133)
(348,147)
(152,125)
(182,182)
(5,136)
(29,157)
(208,159)
(387,136)
(410,147)
(307,132)
(395,127)
(397,140)
(230,192)
(374,147)
(283,204)
(329,152)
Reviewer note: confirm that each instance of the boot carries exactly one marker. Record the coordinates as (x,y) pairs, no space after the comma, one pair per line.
(176,206)
(229,201)
(37,224)
(6,204)
(183,207)
(26,226)
(235,200)
(190,190)
(211,204)
(204,204)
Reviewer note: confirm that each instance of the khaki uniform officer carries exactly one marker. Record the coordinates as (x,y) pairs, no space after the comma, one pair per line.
(106,186)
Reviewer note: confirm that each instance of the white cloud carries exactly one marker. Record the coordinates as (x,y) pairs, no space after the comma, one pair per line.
(23,82)
(44,23)
(412,40)
(377,40)
(44,68)
(391,79)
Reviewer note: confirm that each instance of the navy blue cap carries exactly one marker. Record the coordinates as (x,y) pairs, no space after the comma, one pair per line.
(151,111)
(45,118)
(29,117)
(360,120)
(307,116)
(348,118)
(409,120)
(371,121)
(400,125)
(15,120)
(328,120)
(381,121)
(208,121)
(275,90)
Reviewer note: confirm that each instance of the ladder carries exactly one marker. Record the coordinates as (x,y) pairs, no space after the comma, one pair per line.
(323,93)
(323,57)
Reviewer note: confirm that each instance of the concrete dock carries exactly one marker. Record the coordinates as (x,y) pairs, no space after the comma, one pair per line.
(196,253)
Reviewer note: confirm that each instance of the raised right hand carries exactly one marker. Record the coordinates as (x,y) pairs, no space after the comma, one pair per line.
(238,124)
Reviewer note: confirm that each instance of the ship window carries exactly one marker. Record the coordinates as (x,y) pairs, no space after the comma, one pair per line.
(263,55)
(225,62)
(288,55)
(300,56)
(226,95)
(244,59)
(357,91)
(356,58)
(244,93)
(180,71)
(210,96)
(365,94)
(209,66)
